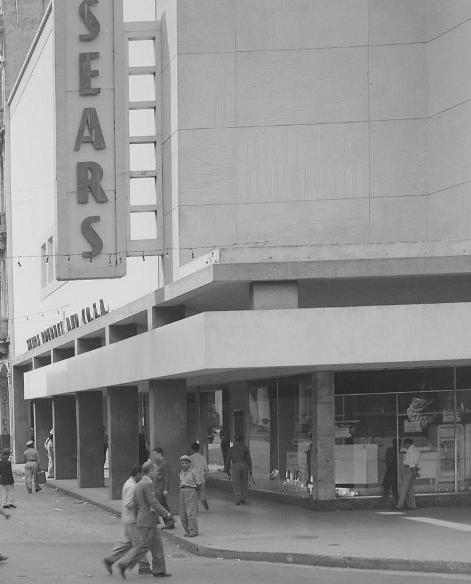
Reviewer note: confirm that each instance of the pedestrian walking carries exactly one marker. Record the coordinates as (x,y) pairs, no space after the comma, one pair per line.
(128,519)
(200,466)
(31,467)
(239,468)
(7,483)
(49,446)
(160,481)
(409,474)
(148,534)
(189,488)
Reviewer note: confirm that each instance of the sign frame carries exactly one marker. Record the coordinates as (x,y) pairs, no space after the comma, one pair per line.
(77,259)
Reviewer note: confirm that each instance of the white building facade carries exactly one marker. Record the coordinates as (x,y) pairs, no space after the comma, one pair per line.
(297,245)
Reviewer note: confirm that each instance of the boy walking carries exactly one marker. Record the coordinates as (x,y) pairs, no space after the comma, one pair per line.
(7,483)
(190,484)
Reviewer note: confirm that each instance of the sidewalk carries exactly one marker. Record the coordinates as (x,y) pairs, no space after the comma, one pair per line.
(426,540)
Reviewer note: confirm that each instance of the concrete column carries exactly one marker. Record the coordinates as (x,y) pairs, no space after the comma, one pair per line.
(168,421)
(273,295)
(226,411)
(203,423)
(123,435)
(65,436)
(286,424)
(323,435)
(239,408)
(20,414)
(192,425)
(42,426)
(90,439)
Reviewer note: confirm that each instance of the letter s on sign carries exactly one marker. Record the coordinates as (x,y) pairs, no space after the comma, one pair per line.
(92,237)
(89,20)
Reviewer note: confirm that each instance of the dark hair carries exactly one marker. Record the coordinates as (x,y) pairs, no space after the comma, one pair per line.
(136,469)
(158,449)
(408,441)
(195,446)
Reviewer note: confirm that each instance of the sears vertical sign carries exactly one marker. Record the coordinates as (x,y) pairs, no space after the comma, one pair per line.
(92,200)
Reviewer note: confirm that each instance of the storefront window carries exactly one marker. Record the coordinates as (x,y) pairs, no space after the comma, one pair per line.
(365,427)
(430,407)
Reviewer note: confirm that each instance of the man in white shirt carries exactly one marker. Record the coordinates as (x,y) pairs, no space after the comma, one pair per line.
(409,474)
(200,466)
(128,519)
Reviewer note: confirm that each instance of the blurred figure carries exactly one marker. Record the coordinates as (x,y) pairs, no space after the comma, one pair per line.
(148,535)
(49,446)
(7,483)
(225,446)
(241,461)
(31,467)
(128,519)
(200,466)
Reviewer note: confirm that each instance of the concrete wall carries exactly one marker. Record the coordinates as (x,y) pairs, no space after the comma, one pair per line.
(314,122)
(253,343)
(32,211)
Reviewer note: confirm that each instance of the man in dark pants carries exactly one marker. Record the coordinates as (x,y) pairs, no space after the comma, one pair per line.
(160,481)
(241,460)
(148,534)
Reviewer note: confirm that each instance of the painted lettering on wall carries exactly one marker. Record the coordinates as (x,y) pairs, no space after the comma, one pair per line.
(4,406)
(68,324)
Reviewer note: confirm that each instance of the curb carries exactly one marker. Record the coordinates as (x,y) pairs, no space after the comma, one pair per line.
(359,563)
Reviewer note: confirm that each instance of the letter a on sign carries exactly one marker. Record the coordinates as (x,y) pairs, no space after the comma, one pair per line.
(91,123)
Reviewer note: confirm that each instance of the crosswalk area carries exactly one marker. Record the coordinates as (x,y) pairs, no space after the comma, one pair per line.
(430,521)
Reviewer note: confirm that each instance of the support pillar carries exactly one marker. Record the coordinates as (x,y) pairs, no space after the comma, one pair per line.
(20,414)
(323,435)
(239,407)
(65,436)
(168,421)
(123,435)
(90,439)
(42,426)
(203,423)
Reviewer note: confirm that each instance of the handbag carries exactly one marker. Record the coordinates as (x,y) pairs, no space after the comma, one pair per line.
(41,477)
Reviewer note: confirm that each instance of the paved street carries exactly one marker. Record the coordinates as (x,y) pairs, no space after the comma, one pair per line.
(52,537)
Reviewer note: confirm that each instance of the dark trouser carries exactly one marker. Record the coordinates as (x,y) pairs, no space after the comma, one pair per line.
(129,541)
(31,476)
(149,539)
(390,488)
(240,479)
(407,488)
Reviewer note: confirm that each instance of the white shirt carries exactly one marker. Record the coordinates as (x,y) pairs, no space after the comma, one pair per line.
(128,502)
(200,466)
(412,457)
